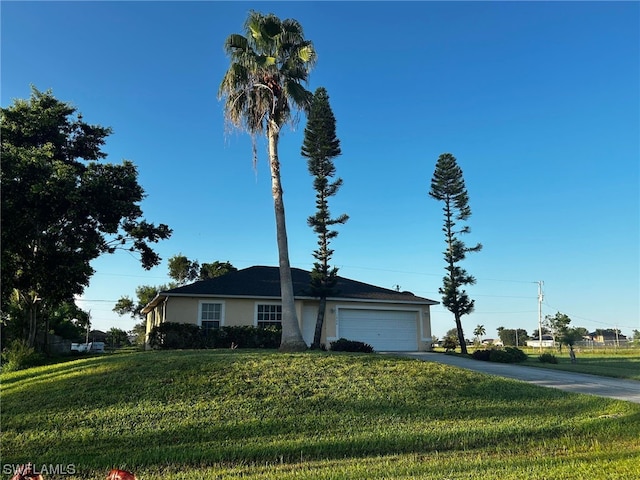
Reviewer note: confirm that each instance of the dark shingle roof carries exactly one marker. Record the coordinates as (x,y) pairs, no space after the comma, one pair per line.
(262,281)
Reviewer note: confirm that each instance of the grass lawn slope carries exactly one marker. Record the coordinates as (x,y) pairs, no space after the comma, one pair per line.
(238,414)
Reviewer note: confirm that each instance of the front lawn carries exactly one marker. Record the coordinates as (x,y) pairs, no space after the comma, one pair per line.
(231,414)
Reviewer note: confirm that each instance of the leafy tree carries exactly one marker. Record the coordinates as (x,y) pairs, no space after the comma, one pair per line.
(183,270)
(180,267)
(479,332)
(320,147)
(450,340)
(215,269)
(61,207)
(67,320)
(261,88)
(535,333)
(636,336)
(447,185)
(512,337)
(139,331)
(570,336)
(144,294)
(557,325)
(116,338)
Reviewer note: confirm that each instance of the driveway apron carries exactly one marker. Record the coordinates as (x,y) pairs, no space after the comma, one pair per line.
(619,389)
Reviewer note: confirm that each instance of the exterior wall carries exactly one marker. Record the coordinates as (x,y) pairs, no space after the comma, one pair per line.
(243,312)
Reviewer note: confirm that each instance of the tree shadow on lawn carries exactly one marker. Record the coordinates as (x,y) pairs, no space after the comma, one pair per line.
(463,418)
(184,445)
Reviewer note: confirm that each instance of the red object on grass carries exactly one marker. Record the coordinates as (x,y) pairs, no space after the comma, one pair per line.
(116,474)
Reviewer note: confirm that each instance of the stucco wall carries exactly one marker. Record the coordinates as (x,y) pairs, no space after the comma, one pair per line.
(243,312)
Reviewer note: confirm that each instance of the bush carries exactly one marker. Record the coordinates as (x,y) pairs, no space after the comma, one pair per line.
(243,336)
(517,354)
(19,355)
(450,344)
(344,345)
(171,335)
(508,355)
(482,355)
(548,358)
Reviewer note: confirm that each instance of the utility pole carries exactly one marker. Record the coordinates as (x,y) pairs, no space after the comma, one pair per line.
(540,298)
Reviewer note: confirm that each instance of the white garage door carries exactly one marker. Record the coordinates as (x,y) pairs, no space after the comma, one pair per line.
(391,330)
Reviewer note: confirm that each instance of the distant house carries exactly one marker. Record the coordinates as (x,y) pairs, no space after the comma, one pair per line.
(608,336)
(492,341)
(547,341)
(384,318)
(97,336)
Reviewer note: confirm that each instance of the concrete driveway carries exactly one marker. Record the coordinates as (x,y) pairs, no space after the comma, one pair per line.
(618,389)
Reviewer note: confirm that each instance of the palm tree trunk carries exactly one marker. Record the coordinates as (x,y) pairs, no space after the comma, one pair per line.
(292,340)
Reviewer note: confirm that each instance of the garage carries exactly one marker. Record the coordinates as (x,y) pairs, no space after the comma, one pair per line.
(384,330)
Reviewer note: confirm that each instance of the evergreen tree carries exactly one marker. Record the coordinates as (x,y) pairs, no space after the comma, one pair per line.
(320,147)
(447,185)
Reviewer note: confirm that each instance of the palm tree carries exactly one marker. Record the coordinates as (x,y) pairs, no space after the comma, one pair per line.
(479,332)
(262,89)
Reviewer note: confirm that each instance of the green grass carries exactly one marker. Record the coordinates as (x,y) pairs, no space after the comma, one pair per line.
(616,363)
(266,415)
(621,364)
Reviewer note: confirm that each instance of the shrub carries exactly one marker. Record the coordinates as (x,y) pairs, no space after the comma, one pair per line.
(517,354)
(248,337)
(344,345)
(450,344)
(548,358)
(170,335)
(19,355)
(508,355)
(482,355)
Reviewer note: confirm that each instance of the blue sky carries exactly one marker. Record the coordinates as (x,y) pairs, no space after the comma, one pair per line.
(539,102)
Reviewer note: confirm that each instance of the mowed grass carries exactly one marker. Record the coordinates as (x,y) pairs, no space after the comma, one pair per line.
(265,415)
(617,364)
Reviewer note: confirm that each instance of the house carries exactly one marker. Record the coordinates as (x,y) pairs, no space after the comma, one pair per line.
(547,341)
(385,319)
(606,337)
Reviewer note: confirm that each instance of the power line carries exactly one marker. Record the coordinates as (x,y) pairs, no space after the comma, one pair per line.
(609,324)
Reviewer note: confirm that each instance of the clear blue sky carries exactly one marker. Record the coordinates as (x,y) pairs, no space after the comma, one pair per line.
(539,102)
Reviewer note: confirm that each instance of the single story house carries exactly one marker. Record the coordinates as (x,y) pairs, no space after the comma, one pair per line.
(606,337)
(386,319)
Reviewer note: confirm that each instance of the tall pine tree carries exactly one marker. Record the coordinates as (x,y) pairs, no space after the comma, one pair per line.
(320,147)
(447,185)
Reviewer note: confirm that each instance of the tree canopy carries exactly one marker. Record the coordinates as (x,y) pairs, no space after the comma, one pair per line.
(62,207)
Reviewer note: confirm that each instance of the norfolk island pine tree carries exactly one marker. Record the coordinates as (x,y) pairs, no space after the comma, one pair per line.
(447,185)
(320,147)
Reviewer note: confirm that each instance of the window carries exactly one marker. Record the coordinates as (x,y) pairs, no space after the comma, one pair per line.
(210,316)
(269,315)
